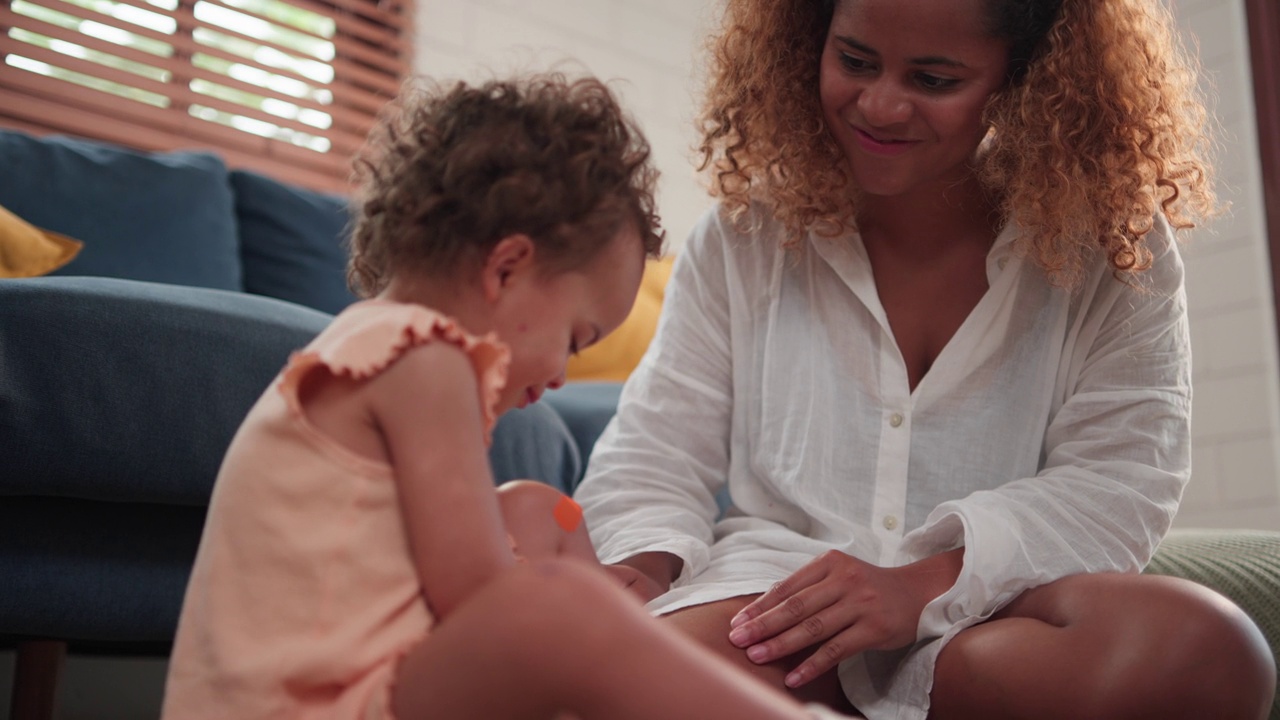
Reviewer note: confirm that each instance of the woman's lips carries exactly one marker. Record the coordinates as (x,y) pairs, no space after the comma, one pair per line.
(871,144)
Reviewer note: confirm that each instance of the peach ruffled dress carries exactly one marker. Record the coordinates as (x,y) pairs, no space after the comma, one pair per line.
(304,594)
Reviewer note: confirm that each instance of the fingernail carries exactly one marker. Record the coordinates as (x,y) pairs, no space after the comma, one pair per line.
(738,619)
(758,653)
(794,679)
(740,636)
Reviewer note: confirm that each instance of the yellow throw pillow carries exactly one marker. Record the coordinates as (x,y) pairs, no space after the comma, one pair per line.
(28,251)
(614,357)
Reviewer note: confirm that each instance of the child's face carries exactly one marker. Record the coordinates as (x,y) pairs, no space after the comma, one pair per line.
(545,318)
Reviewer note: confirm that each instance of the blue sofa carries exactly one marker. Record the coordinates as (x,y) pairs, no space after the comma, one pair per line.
(124,374)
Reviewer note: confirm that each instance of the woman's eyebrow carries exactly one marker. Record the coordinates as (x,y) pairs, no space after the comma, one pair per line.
(864,49)
(926,60)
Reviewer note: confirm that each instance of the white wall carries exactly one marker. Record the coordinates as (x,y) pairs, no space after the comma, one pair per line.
(652,49)
(644,48)
(1236,417)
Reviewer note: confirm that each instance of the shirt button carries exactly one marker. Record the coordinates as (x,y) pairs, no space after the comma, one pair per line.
(895,420)
(890,522)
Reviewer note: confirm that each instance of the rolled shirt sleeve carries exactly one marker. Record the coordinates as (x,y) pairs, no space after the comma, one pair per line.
(662,459)
(1117,456)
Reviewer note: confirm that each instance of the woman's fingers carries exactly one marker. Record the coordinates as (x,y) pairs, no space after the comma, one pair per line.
(798,615)
(836,603)
(812,573)
(844,629)
(815,628)
(834,651)
(842,606)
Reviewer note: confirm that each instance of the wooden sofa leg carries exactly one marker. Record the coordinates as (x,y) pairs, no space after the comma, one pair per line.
(35,679)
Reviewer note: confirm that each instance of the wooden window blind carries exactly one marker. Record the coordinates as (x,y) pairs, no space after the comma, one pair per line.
(286,87)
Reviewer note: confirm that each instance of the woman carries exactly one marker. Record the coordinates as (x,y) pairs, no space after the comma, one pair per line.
(934,342)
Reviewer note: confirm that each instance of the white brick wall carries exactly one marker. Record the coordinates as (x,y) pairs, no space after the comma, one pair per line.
(651,51)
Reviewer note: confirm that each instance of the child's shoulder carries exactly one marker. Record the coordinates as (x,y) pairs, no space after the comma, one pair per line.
(423,345)
(368,336)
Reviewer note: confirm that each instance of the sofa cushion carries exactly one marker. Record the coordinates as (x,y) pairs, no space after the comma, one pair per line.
(125,391)
(533,443)
(160,217)
(587,408)
(292,242)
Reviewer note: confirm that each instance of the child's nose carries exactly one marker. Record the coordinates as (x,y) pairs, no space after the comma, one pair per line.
(557,381)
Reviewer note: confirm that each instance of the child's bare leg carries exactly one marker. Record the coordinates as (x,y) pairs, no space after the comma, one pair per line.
(554,637)
(1108,646)
(709,625)
(540,522)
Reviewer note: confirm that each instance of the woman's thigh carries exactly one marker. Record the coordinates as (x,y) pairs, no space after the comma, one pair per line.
(709,625)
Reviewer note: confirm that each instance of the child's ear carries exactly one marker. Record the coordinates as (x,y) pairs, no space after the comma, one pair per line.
(510,259)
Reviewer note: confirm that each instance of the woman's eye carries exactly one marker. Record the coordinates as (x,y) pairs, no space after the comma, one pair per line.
(854,63)
(935,83)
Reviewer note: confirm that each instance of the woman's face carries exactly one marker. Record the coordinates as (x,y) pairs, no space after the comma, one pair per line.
(903,85)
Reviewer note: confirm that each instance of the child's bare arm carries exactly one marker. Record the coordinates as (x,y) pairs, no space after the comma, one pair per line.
(427,406)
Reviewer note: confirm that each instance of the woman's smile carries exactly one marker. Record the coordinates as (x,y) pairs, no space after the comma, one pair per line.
(879,145)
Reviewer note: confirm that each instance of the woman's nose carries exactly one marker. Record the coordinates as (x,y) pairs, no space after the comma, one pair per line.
(882,103)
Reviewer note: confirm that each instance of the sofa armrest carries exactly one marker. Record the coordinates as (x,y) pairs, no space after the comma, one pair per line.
(128,391)
(123,390)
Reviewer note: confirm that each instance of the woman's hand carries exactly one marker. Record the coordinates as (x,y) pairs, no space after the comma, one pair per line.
(844,603)
(647,575)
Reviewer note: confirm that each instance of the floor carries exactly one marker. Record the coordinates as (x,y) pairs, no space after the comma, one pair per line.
(99,688)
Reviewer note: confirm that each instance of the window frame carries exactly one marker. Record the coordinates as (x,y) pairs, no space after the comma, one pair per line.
(1264,54)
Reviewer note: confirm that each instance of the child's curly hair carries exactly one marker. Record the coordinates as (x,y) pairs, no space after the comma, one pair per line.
(1100,124)
(449,172)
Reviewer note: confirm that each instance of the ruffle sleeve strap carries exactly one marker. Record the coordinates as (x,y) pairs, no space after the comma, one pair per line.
(368,336)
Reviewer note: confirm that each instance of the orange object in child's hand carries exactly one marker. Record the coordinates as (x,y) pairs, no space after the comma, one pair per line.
(568,514)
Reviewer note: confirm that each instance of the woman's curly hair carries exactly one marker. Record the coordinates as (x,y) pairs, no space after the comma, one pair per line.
(449,172)
(1100,124)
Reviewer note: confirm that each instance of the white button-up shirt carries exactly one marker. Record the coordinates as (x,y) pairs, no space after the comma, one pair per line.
(1050,436)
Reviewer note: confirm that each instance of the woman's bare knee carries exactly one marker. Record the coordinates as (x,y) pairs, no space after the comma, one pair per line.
(1217,649)
(1126,645)
(1179,649)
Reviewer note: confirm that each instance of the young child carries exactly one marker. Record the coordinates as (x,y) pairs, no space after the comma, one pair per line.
(502,228)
